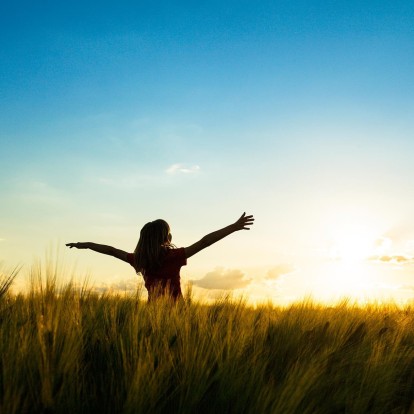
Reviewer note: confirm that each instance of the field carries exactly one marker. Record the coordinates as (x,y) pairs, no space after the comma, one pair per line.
(65,349)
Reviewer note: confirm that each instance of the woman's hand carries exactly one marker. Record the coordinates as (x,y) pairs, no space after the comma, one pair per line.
(244,222)
(78,245)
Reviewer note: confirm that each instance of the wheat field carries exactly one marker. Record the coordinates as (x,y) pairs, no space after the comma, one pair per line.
(66,349)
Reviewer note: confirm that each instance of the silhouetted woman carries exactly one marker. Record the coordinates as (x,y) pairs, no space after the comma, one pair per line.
(158,260)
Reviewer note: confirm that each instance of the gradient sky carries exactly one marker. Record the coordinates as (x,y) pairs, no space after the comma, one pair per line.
(300,112)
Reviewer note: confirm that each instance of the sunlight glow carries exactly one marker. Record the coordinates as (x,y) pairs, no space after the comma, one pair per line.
(354,280)
(353,239)
(352,245)
(353,236)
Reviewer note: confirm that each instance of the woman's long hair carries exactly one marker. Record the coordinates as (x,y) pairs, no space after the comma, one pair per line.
(154,241)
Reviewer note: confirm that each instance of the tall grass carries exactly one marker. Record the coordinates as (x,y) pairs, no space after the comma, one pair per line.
(65,349)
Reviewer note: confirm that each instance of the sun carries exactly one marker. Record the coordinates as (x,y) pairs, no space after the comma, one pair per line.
(354,234)
(353,244)
(347,271)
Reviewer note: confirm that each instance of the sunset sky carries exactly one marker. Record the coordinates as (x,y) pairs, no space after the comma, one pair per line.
(299,112)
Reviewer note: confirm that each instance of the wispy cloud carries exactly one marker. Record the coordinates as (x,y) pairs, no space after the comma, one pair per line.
(223,279)
(393,259)
(132,180)
(2,240)
(39,192)
(182,169)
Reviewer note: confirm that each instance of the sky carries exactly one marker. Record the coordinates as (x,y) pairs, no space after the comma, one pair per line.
(299,112)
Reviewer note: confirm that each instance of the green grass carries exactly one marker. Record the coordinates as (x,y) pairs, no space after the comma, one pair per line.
(68,350)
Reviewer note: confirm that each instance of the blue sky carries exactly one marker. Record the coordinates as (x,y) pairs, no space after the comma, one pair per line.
(297,111)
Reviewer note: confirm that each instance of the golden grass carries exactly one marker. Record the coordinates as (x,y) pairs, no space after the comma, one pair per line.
(68,350)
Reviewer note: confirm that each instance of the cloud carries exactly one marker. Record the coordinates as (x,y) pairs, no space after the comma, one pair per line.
(39,192)
(2,240)
(222,279)
(124,286)
(132,180)
(279,271)
(393,259)
(183,169)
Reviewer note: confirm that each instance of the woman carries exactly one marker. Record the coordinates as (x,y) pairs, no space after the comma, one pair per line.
(158,260)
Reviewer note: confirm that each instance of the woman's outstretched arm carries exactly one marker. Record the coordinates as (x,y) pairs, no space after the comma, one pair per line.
(100,248)
(243,223)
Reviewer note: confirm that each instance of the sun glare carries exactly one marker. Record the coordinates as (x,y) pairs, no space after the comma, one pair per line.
(339,279)
(353,245)
(348,271)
